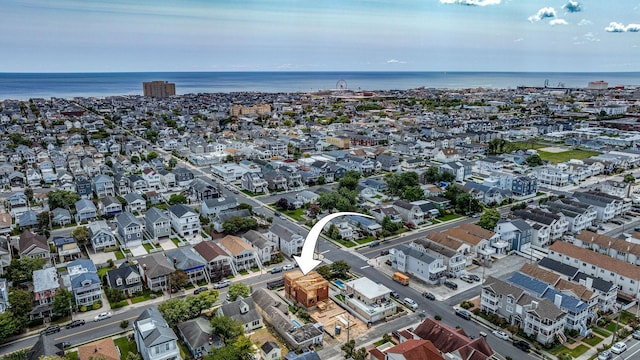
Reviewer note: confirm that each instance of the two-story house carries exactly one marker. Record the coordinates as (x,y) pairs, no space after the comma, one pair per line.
(103,185)
(157,223)
(244,311)
(152,178)
(287,241)
(83,281)
(135,203)
(409,212)
(244,255)
(125,278)
(101,235)
(417,263)
(130,230)
(85,210)
(154,270)
(219,263)
(33,246)
(45,286)
(155,340)
(184,221)
(190,262)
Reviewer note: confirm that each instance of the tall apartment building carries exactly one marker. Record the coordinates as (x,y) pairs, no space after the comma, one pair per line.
(158,88)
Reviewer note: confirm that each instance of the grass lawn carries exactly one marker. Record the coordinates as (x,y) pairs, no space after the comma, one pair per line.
(71,355)
(566,155)
(626,316)
(62,269)
(579,350)
(365,240)
(102,272)
(525,145)
(593,341)
(297,214)
(379,342)
(118,304)
(125,346)
(176,241)
(346,243)
(148,247)
(146,295)
(247,192)
(601,332)
(119,254)
(612,326)
(449,217)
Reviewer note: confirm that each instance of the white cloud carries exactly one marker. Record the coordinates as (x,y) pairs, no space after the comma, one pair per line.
(584,22)
(616,27)
(555,22)
(545,12)
(471,2)
(590,37)
(572,6)
(518,40)
(395,61)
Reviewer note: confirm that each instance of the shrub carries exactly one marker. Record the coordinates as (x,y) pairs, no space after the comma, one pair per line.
(96,305)
(438,317)
(124,324)
(83,308)
(466,304)
(110,263)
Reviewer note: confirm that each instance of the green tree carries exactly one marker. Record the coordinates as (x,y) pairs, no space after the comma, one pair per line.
(152,155)
(21,270)
(349,182)
(43,219)
(28,192)
(114,295)
(413,193)
(152,135)
(8,327)
(489,219)
(321,180)
(431,175)
(21,304)
(177,199)
(629,178)
(246,206)
(534,160)
(325,272)
(340,268)
(349,349)
(228,329)
(389,225)
(178,279)
(62,199)
(197,303)
(237,224)
(62,302)
(282,204)
(81,233)
(173,162)
(133,356)
(238,289)
(174,311)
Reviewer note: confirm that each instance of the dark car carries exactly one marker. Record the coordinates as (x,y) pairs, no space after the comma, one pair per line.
(451,285)
(395,294)
(522,345)
(463,314)
(276,270)
(374,243)
(429,295)
(75,323)
(384,252)
(200,290)
(50,330)
(474,277)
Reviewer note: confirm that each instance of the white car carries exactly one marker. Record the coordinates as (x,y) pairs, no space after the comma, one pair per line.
(618,348)
(500,334)
(287,267)
(412,304)
(102,316)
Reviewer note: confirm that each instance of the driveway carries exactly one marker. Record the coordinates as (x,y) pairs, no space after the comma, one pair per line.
(138,251)
(167,245)
(101,258)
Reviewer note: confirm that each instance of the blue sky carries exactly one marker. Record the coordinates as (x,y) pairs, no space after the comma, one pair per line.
(326,35)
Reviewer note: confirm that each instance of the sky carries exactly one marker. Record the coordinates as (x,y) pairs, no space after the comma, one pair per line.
(325,35)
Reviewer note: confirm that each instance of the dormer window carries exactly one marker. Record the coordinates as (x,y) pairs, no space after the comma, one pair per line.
(119,281)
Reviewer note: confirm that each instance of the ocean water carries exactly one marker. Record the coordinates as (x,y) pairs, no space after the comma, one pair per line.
(23,86)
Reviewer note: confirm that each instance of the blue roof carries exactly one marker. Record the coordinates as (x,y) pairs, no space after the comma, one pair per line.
(528,283)
(59,241)
(569,302)
(364,221)
(84,263)
(76,281)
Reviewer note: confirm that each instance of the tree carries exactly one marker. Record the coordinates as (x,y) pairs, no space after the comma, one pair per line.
(62,302)
(114,295)
(62,199)
(349,349)
(177,199)
(282,204)
(197,303)
(340,268)
(43,219)
(463,203)
(173,162)
(389,225)
(228,329)
(177,279)
(321,180)
(238,289)
(534,160)
(28,192)
(21,270)
(350,183)
(133,356)
(81,233)
(152,155)
(237,224)
(325,272)
(629,178)
(246,206)
(174,311)
(21,304)
(8,326)
(489,219)
(413,193)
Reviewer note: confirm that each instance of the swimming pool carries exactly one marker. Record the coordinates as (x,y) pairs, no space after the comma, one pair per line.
(296,323)
(339,284)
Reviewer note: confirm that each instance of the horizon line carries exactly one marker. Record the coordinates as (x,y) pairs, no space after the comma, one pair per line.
(315,71)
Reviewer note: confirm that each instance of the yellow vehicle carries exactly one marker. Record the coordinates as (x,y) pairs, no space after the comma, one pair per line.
(401,278)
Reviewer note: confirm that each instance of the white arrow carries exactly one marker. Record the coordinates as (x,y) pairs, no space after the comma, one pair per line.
(305,261)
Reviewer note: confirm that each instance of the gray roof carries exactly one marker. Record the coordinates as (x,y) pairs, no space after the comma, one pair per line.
(45,279)
(154,214)
(153,329)
(198,331)
(133,196)
(500,287)
(185,257)
(418,255)
(181,210)
(126,218)
(257,239)
(234,310)
(156,264)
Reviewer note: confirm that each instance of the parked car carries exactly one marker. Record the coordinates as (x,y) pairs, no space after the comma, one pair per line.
(410,303)
(617,222)
(384,252)
(395,294)
(619,348)
(429,295)
(522,345)
(102,316)
(287,267)
(463,314)
(374,243)
(50,330)
(605,355)
(75,323)
(200,290)
(500,334)
(221,284)
(451,285)
(474,277)
(475,261)
(636,334)
(276,270)
(466,278)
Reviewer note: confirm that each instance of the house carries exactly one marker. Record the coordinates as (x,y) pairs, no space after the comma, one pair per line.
(514,234)
(138,184)
(275,313)
(579,215)
(154,338)
(85,210)
(152,178)
(184,220)
(101,235)
(122,184)
(388,162)
(244,311)
(129,230)
(417,263)
(188,260)
(461,170)
(476,238)
(556,225)
(61,217)
(452,343)
(5,223)
(110,206)
(104,349)
(266,249)
(486,194)
(155,271)
(211,207)
(409,212)
(455,261)
(198,336)
(33,246)
(244,255)
(371,301)
(135,203)
(83,281)
(167,179)
(254,183)
(45,286)
(67,248)
(183,176)
(225,215)
(289,242)
(157,223)
(270,351)
(5,254)
(219,263)
(626,251)
(202,189)
(125,278)
(306,290)
(447,155)
(84,187)
(4,296)
(28,220)
(523,186)
(408,350)
(607,206)
(103,185)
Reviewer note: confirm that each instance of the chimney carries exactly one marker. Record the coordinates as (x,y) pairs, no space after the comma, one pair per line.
(144,266)
(589,283)
(534,305)
(175,260)
(557,300)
